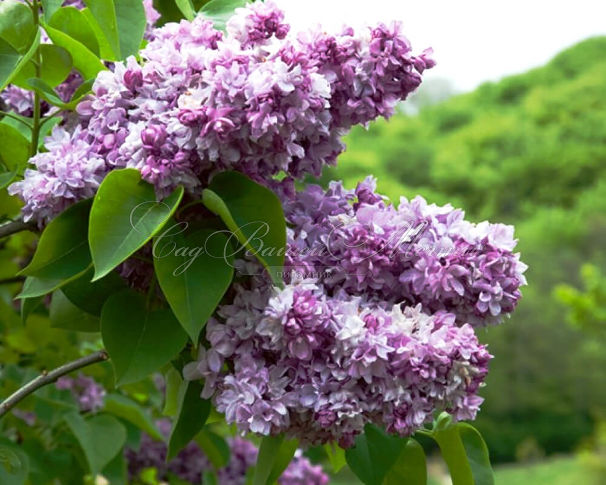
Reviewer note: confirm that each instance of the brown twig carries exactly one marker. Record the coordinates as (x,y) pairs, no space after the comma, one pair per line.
(49,377)
(15,227)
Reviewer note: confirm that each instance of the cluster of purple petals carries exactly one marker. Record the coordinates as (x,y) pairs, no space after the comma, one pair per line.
(374,324)
(415,253)
(191,463)
(89,394)
(259,99)
(21,101)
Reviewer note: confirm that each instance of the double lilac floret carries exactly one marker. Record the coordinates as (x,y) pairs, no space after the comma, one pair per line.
(259,99)
(374,323)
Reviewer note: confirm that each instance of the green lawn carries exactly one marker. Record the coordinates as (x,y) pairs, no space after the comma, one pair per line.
(556,471)
(553,471)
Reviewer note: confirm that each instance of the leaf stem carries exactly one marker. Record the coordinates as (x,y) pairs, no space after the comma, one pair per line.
(48,378)
(37,101)
(15,117)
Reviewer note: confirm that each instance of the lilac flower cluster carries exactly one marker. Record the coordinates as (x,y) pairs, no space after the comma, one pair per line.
(21,101)
(191,462)
(89,394)
(415,253)
(259,99)
(373,324)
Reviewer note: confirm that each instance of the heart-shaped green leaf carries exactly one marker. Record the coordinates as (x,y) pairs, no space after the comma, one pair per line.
(194,271)
(410,467)
(64,314)
(465,454)
(85,60)
(139,341)
(90,296)
(127,409)
(254,215)
(191,417)
(73,23)
(125,215)
(121,23)
(16,24)
(275,453)
(374,454)
(214,447)
(63,247)
(100,437)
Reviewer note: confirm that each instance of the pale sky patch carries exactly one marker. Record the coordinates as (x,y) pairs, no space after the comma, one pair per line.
(473,40)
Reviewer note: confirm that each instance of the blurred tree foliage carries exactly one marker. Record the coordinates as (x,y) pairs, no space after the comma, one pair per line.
(529,150)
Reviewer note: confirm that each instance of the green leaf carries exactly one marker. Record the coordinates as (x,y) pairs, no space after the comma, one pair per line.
(410,468)
(50,7)
(171,393)
(125,215)
(214,447)
(28,305)
(16,24)
(219,11)
(72,22)
(187,8)
(10,61)
(467,459)
(477,454)
(14,463)
(194,271)
(35,286)
(373,455)
(132,22)
(274,456)
(100,437)
(127,409)
(122,24)
(14,148)
(62,251)
(45,91)
(139,341)
(191,417)
(104,14)
(90,296)
(84,59)
(336,456)
(283,458)
(55,65)
(67,316)
(116,471)
(254,215)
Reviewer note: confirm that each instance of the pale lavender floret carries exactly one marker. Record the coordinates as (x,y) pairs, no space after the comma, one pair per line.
(258,100)
(301,471)
(68,172)
(416,253)
(89,394)
(375,364)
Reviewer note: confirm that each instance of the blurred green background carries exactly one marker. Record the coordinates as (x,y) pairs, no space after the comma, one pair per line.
(529,150)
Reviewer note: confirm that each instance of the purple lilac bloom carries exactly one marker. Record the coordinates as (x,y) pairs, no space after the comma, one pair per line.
(259,99)
(21,101)
(302,472)
(362,331)
(89,394)
(415,253)
(190,463)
